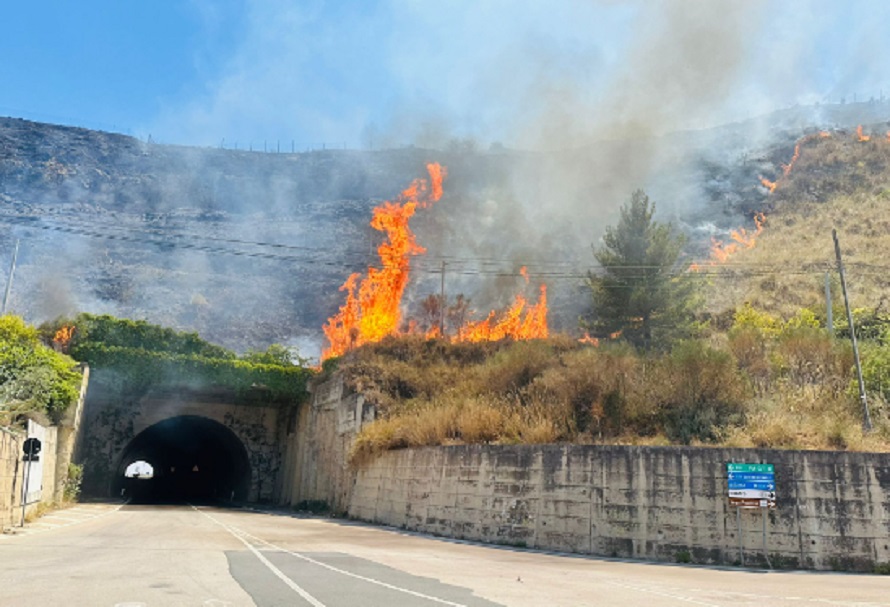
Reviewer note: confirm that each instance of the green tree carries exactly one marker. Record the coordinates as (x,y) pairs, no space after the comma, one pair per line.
(638,294)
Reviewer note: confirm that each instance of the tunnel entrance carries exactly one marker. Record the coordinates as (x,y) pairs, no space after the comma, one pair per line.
(193,459)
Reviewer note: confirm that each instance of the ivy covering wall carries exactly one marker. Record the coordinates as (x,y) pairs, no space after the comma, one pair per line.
(135,355)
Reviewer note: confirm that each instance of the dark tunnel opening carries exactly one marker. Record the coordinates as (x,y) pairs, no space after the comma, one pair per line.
(194,459)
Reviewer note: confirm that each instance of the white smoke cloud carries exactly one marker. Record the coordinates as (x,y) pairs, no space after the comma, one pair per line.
(523,72)
(597,83)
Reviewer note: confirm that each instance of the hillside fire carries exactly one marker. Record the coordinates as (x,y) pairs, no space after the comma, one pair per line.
(62,338)
(860,136)
(740,239)
(372,309)
(786,168)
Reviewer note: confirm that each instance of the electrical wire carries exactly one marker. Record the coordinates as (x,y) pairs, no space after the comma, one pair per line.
(352,260)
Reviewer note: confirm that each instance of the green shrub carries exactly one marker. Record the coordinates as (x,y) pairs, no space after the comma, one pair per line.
(809,356)
(700,391)
(73,482)
(33,377)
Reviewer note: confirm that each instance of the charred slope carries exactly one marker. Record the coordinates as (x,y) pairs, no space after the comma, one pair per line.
(250,248)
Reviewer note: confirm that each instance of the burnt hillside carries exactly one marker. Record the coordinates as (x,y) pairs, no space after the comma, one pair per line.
(250,248)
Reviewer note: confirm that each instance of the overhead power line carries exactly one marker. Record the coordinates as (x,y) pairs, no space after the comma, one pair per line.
(353,260)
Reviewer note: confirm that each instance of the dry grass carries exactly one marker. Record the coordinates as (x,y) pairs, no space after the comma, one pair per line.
(786,269)
(778,386)
(545,392)
(837,183)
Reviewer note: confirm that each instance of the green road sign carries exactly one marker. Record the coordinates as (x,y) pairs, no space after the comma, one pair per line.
(757,468)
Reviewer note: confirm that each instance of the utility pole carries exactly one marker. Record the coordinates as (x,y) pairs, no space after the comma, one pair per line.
(442,303)
(866,418)
(15,255)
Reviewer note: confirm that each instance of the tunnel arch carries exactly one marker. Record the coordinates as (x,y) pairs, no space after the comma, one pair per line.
(194,459)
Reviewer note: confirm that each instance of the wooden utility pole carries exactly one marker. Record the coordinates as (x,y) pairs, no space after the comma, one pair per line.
(866,418)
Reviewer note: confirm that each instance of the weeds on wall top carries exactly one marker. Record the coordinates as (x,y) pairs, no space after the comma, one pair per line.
(134,356)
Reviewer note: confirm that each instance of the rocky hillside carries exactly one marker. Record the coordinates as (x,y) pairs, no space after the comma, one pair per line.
(250,248)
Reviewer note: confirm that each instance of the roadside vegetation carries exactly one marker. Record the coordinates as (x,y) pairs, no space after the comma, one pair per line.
(738,354)
(131,356)
(35,379)
(767,383)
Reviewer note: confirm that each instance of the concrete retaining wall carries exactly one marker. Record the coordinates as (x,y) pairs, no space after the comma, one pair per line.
(833,509)
(316,447)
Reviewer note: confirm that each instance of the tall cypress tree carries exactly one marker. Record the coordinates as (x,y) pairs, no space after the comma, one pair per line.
(639,293)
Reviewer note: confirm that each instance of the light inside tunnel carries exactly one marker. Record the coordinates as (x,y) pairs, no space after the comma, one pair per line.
(140,469)
(192,458)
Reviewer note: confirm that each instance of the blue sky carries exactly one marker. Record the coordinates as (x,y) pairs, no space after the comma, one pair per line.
(389,72)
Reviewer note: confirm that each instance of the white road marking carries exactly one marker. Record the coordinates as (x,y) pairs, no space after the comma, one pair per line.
(278,573)
(30,529)
(337,569)
(63,518)
(349,573)
(661,593)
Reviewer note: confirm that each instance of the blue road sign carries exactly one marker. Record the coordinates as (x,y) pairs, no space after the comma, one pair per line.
(750,476)
(750,483)
(762,485)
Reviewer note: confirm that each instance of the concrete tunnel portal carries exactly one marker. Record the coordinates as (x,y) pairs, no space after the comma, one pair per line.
(193,459)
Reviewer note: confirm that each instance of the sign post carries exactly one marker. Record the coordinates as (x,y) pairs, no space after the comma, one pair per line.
(751,486)
(31,448)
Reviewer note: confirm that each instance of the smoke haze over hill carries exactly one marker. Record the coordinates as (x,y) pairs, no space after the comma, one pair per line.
(547,116)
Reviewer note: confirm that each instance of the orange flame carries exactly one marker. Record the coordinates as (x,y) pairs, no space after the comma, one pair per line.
(860,136)
(371,310)
(511,323)
(741,239)
(587,339)
(372,307)
(62,338)
(786,168)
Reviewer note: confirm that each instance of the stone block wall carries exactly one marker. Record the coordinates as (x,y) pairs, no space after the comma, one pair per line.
(10,475)
(58,447)
(42,482)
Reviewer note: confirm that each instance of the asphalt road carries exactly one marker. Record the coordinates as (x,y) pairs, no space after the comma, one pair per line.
(100,555)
